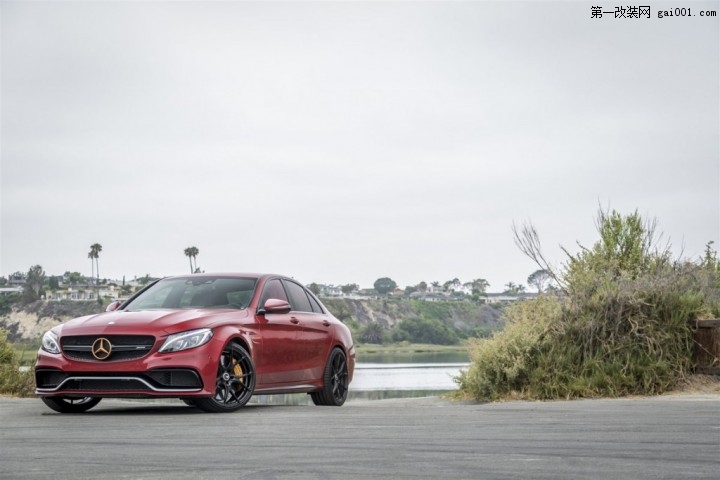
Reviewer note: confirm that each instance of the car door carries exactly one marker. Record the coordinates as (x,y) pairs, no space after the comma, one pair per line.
(316,331)
(277,362)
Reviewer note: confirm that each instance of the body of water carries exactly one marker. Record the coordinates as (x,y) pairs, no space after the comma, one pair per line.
(412,374)
(405,376)
(380,381)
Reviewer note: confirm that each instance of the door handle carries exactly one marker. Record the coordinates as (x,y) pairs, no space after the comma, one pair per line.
(294,320)
(326,323)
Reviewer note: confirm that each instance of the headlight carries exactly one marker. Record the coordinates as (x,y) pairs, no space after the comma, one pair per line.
(186,340)
(50,342)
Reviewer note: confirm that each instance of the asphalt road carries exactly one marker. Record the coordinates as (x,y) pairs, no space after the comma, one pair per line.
(675,437)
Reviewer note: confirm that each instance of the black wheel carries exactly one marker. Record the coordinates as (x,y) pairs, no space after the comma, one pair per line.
(234,384)
(70,404)
(335,389)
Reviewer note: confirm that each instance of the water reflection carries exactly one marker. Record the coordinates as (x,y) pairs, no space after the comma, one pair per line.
(380,380)
(406,376)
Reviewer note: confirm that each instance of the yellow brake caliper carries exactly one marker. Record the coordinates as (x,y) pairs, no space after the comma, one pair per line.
(238,371)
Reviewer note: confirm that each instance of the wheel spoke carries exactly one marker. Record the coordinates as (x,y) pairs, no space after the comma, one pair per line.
(338,385)
(231,388)
(339,378)
(235,382)
(237,385)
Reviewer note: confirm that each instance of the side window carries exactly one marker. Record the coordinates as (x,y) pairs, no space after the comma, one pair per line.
(298,297)
(315,305)
(273,289)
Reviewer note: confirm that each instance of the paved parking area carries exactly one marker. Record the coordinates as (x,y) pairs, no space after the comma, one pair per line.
(674,437)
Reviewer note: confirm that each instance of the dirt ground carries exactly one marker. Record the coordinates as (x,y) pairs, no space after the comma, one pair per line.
(699,384)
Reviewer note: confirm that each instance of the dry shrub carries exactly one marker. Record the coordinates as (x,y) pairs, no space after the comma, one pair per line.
(12,380)
(622,328)
(503,364)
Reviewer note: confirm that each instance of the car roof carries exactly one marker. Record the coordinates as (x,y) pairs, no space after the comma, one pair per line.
(228,274)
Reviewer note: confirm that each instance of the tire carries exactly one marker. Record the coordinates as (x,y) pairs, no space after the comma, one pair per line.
(234,384)
(335,382)
(71,405)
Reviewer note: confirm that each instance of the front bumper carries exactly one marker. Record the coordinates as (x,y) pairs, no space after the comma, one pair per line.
(190,373)
(154,382)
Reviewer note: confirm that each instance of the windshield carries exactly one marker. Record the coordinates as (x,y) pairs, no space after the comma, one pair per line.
(196,292)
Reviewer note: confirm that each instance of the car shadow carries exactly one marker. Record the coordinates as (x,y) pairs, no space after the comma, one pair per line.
(165,409)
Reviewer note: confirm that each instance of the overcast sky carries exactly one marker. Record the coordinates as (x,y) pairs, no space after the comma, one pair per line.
(341,142)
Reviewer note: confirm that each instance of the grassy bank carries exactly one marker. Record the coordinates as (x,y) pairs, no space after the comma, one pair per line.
(411,353)
(407,348)
(26,356)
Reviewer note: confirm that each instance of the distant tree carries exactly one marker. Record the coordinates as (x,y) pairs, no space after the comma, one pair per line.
(92,264)
(3,281)
(74,277)
(349,288)
(539,279)
(94,256)
(192,253)
(314,288)
(479,286)
(53,283)
(409,290)
(422,287)
(372,333)
(453,284)
(144,280)
(17,277)
(513,288)
(34,281)
(384,285)
(126,289)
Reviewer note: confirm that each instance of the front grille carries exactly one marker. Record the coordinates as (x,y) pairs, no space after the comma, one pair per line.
(124,347)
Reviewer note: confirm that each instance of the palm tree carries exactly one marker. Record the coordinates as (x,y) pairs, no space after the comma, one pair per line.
(94,254)
(91,256)
(192,253)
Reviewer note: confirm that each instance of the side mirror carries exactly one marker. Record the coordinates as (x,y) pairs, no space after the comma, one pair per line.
(113,306)
(275,305)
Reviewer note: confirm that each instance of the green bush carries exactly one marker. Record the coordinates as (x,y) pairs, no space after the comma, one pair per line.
(7,301)
(623,327)
(623,337)
(12,380)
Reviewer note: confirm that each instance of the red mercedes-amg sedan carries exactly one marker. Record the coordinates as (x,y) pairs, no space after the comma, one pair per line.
(212,340)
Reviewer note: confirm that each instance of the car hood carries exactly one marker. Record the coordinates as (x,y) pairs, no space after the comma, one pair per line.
(152,322)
